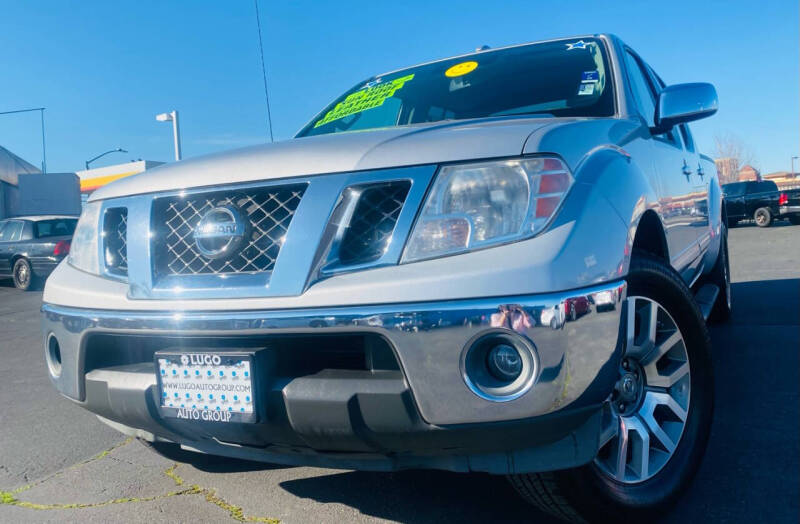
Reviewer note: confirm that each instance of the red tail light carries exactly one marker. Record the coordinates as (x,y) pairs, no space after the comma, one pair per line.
(783,199)
(62,248)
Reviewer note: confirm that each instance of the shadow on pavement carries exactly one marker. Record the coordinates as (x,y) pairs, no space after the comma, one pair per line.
(420,496)
(775,223)
(770,302)
(207,463)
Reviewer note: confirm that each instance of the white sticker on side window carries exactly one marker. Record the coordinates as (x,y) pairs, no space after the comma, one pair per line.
(586,89)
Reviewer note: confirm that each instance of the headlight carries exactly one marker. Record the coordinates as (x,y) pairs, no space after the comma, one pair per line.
(478,205)
(83,252)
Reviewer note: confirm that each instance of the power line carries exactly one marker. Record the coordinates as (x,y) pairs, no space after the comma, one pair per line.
(264,72)
(44,148)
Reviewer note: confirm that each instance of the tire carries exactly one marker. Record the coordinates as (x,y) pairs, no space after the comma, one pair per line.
(24,278)
(763,217)
(794,219)
(720,276)
(589,493)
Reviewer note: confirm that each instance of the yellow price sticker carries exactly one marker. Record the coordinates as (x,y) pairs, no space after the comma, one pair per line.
(461,69)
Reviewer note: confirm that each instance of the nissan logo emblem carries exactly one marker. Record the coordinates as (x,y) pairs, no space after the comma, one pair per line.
(220,232)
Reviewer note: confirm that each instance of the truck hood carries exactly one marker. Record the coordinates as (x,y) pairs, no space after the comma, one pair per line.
(356,151)
(337,153)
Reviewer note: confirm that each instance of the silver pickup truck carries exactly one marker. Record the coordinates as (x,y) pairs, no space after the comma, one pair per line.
(498,262)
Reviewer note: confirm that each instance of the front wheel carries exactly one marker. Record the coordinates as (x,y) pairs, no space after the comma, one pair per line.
(763,217)
(657,420)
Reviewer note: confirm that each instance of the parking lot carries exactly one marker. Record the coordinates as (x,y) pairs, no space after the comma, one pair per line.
(59,463)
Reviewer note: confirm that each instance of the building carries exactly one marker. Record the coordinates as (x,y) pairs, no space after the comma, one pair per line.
(727,169)
(749,173)
(784,179)
(11,166)
(92,179)
(24,190)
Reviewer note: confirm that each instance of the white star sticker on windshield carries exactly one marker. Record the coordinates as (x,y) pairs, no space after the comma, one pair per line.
(580,44)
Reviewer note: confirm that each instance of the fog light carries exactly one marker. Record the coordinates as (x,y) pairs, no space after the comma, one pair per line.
(499,366)
(504,362)
(53,356)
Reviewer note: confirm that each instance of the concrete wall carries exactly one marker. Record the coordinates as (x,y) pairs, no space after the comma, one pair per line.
(9,199)
(49,194)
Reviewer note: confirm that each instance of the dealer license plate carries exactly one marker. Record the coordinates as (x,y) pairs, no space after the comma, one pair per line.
(210,387)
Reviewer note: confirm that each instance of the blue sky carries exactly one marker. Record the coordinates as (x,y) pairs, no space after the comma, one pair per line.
(104,69)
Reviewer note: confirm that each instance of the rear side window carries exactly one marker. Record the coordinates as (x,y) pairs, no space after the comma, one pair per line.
(768,185)
(12,231)
(55,228)
(761,187)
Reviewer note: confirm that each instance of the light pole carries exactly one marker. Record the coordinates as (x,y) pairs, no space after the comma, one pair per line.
(793,159)
(41,114)
(117,150)
(172,116)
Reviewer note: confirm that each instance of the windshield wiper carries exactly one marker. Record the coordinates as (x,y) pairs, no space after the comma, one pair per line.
(529,113)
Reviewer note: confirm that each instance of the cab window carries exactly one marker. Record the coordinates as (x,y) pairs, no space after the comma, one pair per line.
(642,91)
(768,185)
(733,190)
(687,137)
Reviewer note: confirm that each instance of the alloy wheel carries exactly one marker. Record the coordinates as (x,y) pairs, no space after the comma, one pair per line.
(22,275)
(646,414)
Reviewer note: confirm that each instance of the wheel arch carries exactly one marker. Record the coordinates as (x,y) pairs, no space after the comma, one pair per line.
(632,194)
(16,257)
(650,237)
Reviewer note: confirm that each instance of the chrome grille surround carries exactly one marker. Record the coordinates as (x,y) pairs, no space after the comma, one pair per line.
(309,252)
(268,210)
(115,241)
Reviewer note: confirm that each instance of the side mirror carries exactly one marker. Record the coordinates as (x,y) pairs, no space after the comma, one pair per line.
(681,103)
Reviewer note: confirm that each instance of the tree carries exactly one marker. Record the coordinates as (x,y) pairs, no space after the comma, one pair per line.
(731,156)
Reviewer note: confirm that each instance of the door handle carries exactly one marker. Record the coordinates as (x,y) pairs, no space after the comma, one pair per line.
(686,170)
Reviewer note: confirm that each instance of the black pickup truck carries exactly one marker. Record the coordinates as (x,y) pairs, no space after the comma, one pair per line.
(760,201)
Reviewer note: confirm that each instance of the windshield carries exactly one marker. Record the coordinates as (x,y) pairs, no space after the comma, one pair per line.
(562,78)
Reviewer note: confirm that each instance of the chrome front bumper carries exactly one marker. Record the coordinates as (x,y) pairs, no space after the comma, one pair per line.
(576,336)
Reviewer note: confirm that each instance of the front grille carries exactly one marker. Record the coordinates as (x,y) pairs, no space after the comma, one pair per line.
(115,239)
(373,222)
(269,211)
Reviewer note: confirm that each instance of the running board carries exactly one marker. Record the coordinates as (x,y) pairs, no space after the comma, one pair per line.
(706,297)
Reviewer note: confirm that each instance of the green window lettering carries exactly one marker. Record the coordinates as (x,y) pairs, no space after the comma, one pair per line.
(364,99)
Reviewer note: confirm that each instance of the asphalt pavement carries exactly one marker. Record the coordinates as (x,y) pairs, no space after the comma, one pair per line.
(59,463)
